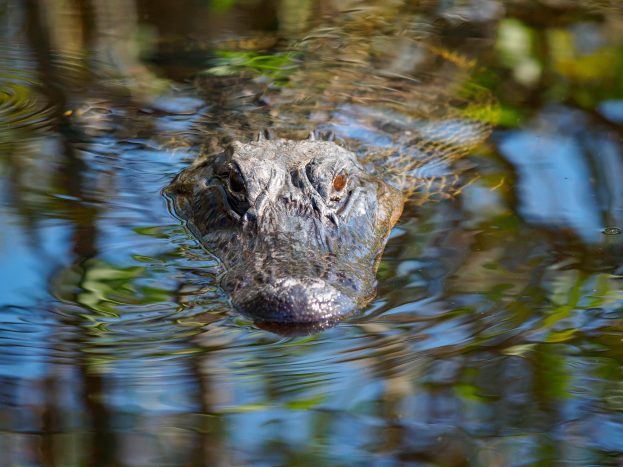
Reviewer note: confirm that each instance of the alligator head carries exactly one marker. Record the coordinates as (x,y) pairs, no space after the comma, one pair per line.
(298,225)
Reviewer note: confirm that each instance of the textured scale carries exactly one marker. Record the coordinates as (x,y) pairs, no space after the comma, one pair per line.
(299,221)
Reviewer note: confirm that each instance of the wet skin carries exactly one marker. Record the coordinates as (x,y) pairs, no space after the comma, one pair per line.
(299,227)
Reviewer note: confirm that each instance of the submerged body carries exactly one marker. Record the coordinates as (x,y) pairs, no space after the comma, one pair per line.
(298,225)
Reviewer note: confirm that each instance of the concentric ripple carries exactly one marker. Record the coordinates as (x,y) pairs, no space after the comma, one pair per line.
(22,105)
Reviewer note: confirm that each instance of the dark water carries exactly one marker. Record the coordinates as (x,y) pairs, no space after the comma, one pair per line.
(496,337)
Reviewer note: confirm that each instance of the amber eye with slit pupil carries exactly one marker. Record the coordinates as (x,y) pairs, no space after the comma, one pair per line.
(339,182)
(236,183)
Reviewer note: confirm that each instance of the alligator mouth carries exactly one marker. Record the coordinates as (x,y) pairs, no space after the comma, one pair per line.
(297,290)
(293,301)
(297,225)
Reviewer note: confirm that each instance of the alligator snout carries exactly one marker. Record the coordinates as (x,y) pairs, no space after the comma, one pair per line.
(299,227)
(294,301)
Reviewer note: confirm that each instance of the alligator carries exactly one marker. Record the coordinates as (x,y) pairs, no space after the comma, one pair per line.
(300,224)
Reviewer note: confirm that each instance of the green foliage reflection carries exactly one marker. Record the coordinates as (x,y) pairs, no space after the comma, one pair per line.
(235,63)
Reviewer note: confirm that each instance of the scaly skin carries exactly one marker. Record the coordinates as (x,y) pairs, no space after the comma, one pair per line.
(298,225)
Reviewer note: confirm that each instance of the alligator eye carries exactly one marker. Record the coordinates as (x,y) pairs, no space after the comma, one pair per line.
(236,182)
(339,182)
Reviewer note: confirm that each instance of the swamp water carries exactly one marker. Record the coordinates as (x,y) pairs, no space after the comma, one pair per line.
(496,336)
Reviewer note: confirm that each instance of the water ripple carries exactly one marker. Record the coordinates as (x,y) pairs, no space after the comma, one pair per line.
(28,102)
(21,105)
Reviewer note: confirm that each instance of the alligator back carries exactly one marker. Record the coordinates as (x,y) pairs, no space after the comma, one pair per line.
(376,79)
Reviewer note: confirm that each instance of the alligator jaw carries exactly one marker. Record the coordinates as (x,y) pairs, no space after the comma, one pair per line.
(298,302)
(298,226)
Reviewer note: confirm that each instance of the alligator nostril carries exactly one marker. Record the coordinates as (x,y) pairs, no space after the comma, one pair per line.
(292,300)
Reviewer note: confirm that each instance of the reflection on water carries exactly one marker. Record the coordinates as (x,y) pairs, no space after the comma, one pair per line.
(496,334)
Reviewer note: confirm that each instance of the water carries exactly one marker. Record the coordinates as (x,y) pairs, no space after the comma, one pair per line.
(496,336)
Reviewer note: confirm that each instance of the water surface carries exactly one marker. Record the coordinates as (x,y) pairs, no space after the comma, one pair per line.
(496,336)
